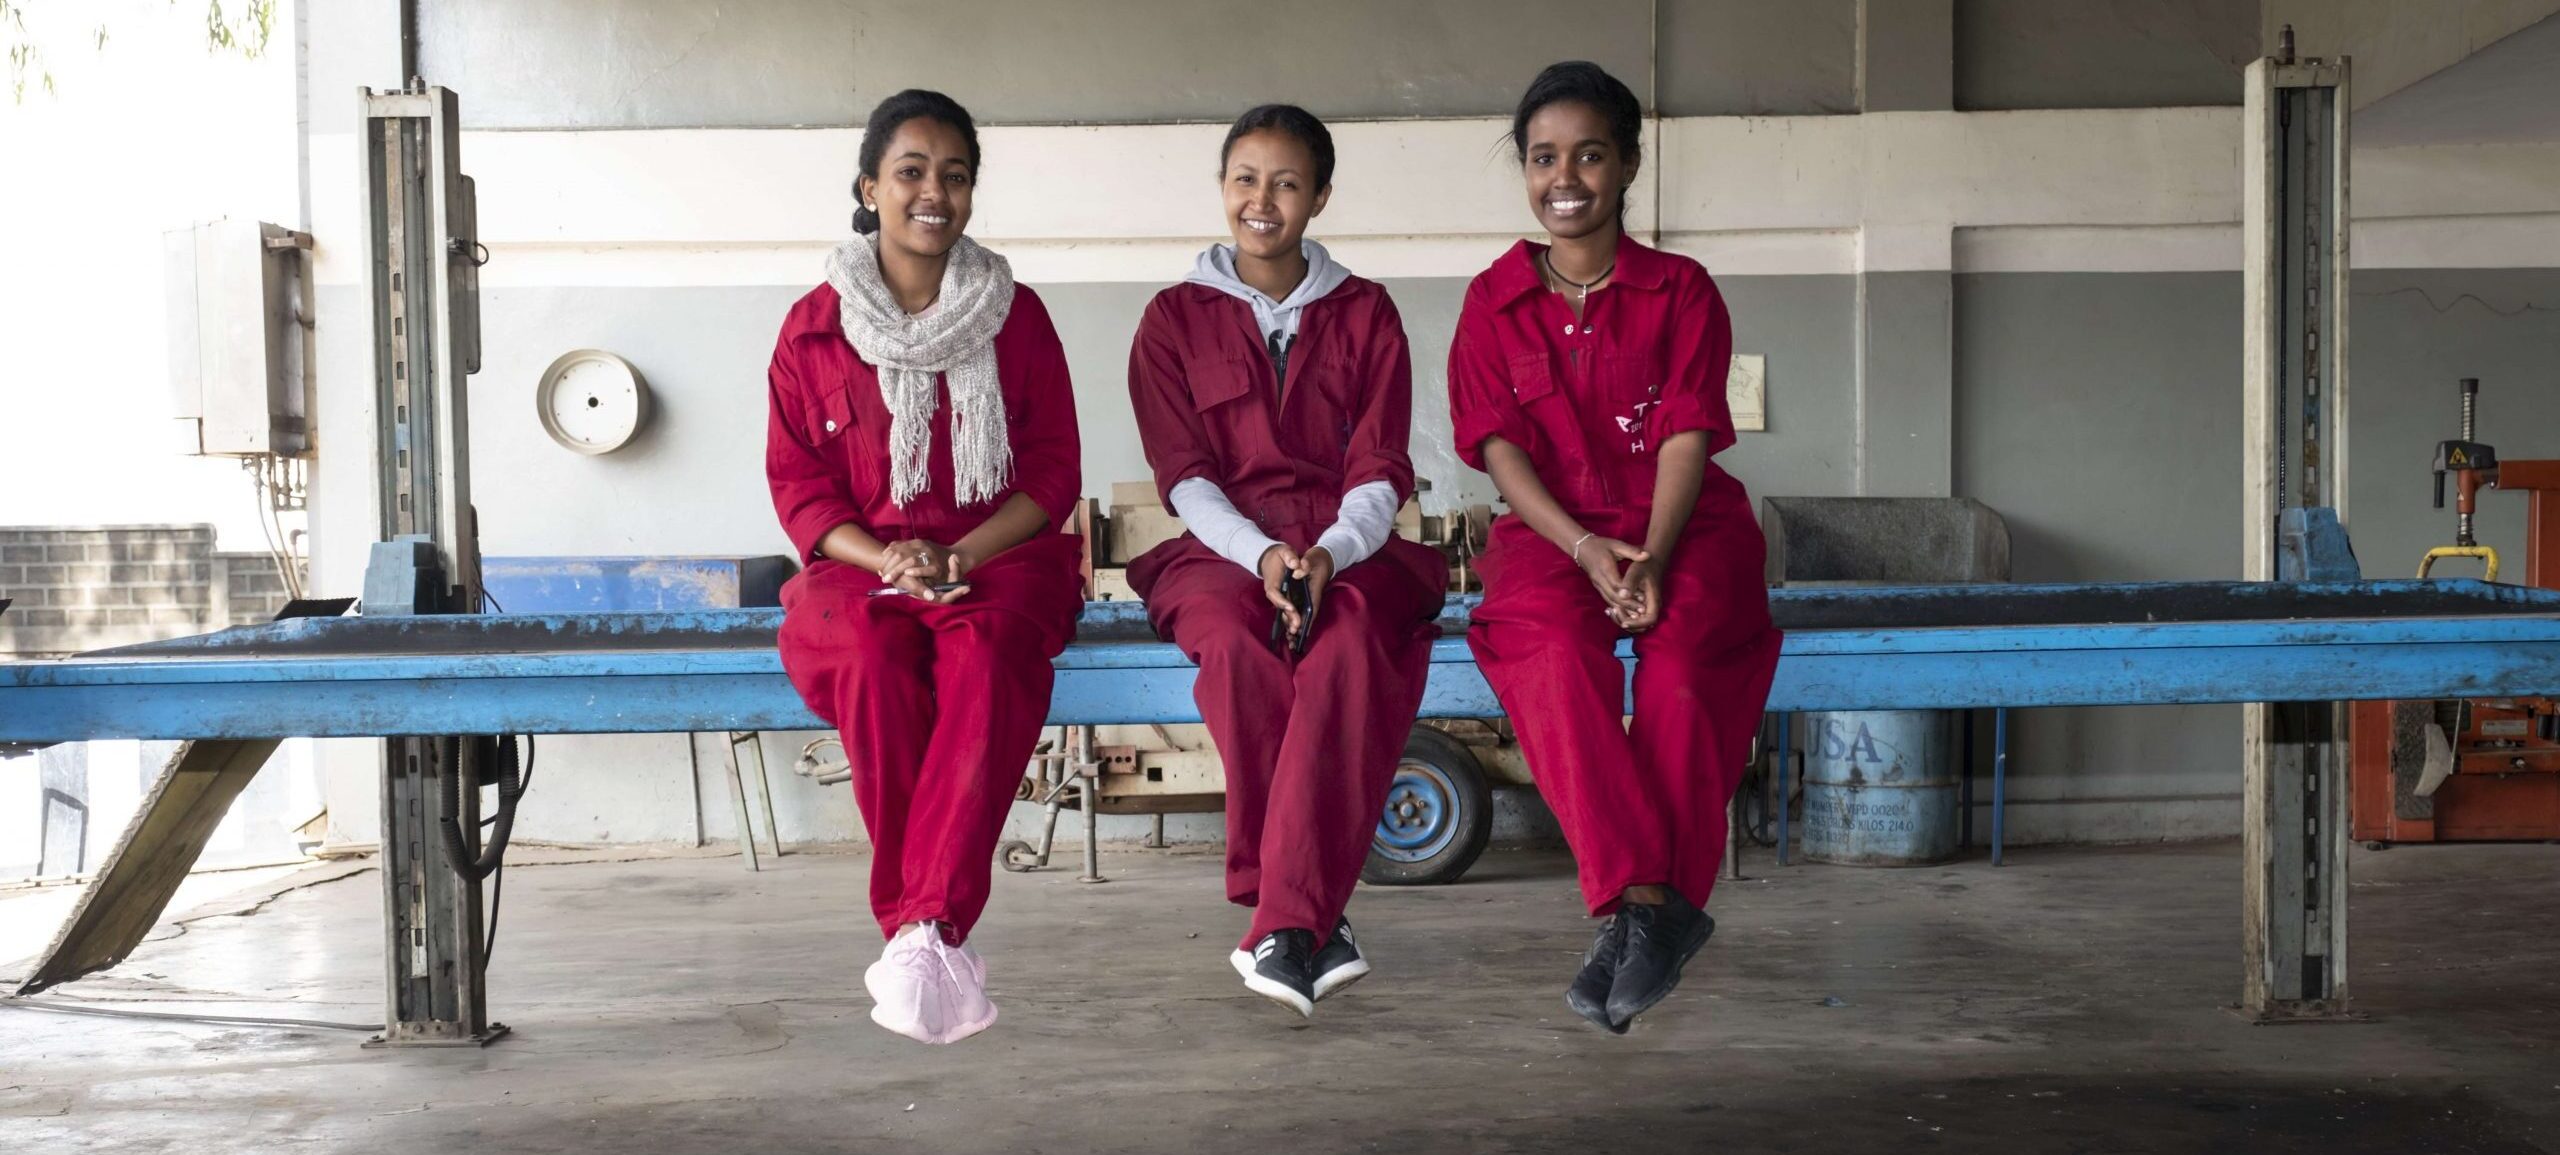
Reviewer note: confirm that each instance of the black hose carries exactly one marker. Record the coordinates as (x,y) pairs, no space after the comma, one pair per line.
(469,751)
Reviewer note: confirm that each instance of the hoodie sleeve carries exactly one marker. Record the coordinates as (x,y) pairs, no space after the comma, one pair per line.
(1207,512)
(1701,347)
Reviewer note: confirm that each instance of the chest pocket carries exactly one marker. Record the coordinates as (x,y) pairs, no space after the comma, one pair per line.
(1532,377)
(1216,381)
(828,416)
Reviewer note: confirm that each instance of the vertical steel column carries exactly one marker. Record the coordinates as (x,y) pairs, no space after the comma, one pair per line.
(1786,759)
(2294,426)
(424,284)
(2000,786)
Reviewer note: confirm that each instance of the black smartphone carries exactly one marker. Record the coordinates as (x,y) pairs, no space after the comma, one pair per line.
(1302,600)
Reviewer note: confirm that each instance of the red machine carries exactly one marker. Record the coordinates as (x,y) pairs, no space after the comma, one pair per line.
(2468,770)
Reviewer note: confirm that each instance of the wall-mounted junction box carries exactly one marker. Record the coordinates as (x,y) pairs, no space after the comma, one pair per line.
(239,338)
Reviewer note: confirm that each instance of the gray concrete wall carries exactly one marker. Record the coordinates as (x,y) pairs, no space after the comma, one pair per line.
(2100,414)
(2412,334)
(661,63)
(674,63)
(1757,57)
(2102,53)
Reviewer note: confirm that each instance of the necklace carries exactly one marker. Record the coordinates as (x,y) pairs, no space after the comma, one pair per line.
(1581,289)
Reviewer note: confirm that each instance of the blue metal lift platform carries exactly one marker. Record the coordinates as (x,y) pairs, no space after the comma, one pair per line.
(1935,647)
(235,693)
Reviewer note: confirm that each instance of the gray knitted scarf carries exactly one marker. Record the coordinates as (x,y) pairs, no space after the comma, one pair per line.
(955,341)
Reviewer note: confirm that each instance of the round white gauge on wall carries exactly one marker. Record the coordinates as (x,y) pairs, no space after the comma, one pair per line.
(592,401)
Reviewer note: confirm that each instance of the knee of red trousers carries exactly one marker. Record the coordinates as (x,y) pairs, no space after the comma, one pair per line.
(1538,651)
(990,639)
(1352,630)
(1235,644)
(837,651)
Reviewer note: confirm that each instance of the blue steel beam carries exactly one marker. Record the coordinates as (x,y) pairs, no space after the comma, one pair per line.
(645,684)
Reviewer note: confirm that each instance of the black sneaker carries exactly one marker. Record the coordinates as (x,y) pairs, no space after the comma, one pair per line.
(1277,969)
(1660,938)
(1589,994)
(1340,963)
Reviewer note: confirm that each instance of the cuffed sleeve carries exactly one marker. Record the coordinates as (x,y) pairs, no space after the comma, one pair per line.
(1693,388)
(1481,403)
(810,493)
(1048,452)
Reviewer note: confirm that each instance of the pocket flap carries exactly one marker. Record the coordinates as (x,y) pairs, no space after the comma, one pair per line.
(1216,382)
(830,417)
(1531,376)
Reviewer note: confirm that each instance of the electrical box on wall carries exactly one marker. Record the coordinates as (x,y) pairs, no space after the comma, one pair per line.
(239,338)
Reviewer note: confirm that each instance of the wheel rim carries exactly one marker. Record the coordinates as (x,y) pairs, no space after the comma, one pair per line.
(1421,817)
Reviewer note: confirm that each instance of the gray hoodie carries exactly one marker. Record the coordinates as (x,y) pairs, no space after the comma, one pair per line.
(1217,269)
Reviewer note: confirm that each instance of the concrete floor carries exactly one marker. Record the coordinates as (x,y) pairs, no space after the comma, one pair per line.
(2069,1002)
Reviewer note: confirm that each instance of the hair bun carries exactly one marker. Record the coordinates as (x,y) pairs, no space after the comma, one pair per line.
(865,222)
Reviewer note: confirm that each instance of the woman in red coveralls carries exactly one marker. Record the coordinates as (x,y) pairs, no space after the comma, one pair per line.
(1587,377)
(922,454)
(1274,393)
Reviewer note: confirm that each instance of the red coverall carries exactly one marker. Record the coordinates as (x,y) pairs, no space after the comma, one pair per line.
(1310,741)
(939,705)
(1590,401)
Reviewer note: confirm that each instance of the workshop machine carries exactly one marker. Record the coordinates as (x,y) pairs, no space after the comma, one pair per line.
(2468,769)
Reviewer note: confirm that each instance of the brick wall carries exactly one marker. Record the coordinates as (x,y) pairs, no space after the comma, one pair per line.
(81,588)
(256,586)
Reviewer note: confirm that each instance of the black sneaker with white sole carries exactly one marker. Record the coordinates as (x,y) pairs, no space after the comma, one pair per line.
(1340,963)
(1279,968)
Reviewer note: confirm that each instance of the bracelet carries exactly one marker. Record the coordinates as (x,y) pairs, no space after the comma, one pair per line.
(1576,551)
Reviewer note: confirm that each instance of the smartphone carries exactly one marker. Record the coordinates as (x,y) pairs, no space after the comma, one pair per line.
(937,587)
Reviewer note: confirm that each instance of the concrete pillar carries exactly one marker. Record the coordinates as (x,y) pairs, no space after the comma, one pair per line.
(1905,437)
(1906,295)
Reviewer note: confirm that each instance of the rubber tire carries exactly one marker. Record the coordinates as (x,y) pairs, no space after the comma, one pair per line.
(1473,802)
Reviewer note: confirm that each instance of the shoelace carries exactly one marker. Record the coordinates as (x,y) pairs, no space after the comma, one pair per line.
(1641,925)
(1600,942)
(944,953)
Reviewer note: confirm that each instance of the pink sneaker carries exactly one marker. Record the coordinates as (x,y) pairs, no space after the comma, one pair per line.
(928,990)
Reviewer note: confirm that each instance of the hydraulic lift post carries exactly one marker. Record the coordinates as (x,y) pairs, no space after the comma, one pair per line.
(2294,833)
(423,275)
